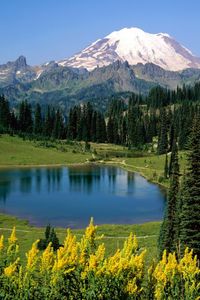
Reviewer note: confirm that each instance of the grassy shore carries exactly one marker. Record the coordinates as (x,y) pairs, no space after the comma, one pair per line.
(15,151)
(149,165)
(114,235)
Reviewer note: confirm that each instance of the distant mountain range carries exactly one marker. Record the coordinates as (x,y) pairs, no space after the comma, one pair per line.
(129,60)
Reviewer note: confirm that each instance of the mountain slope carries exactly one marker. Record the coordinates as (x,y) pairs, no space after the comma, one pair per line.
(66,86)
(135,46)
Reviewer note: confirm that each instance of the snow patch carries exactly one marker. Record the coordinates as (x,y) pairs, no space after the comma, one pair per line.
(38,74)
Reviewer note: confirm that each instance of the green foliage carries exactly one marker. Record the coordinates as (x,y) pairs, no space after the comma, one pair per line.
(190,196)
(168,234)
(5,116)
(50,237)
(87,146)
(25,117)
(38,120)
(166,169)
(163,134)
(86,124)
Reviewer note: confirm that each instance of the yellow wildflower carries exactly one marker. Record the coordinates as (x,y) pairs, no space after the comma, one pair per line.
(100,252)
(171,266)
(158,292)
(12,239)
(131,287)
(96,259)
(1,242)
(130,246)
(93,262)
(83,249)
(113,264)
(71,247)
(10,270)
(12,249)
(67,256)
(32,256)
(188,265)
(90,233)
(47,259)
(136,263)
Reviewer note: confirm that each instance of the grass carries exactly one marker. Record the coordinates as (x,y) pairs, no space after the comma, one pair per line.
(149,165)
(114,235)
(152,167)
(14,151)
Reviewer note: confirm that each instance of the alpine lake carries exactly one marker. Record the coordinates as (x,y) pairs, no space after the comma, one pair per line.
(70,196)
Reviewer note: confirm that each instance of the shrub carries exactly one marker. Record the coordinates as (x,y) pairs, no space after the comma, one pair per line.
(50,237)
(80,270)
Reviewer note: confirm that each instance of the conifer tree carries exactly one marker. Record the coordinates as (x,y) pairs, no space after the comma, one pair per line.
(13,122)
(58,129)
(190,213)
(94,126)
(48,123)
(162,138)
(168,236)
(171,136)
(166,169)
(172,157)
(25,117)
(38,120)
(110,129)
(4,114)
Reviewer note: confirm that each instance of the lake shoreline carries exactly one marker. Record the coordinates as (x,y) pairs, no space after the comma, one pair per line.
(91,167)
(121,164)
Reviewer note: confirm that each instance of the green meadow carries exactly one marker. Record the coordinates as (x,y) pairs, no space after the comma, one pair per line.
(16,152)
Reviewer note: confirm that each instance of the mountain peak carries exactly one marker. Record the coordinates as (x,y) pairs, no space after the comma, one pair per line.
(135,46)
(129,30)
(20,62)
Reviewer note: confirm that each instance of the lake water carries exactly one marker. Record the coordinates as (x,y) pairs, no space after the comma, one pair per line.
(69,196)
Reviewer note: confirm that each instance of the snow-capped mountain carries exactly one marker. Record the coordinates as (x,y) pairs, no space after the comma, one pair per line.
(135,46)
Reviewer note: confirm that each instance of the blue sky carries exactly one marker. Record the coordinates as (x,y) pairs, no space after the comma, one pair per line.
(45,30)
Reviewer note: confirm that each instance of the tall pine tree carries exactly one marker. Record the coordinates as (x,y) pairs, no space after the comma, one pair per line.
(168,235)
(38,120)
(190,214)
(162,138)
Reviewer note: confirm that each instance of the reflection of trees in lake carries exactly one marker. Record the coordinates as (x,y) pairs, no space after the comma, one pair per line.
(5,189)
(54,177)
(25,181)
(38,179)
(84,180)
(111,171)
(131,181)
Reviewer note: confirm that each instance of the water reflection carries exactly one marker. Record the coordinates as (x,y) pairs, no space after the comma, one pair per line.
(5,189)
(84,179)
(112,177)
(25,181)
(38,180)
(130,181)
(54,177)
(66,196)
